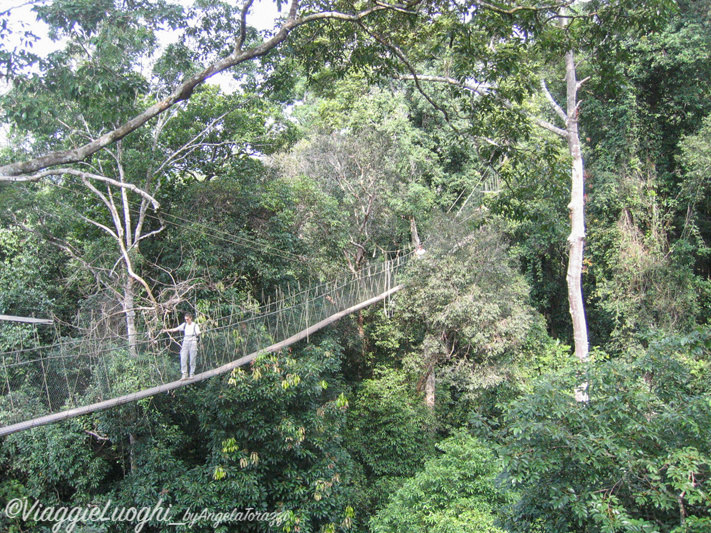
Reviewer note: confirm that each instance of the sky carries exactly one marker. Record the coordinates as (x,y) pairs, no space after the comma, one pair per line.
(262,16)
(264,13)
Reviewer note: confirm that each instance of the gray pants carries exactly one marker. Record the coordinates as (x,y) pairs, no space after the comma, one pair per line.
(189,348)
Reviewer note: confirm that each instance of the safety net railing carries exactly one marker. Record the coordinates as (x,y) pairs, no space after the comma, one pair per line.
(79,372)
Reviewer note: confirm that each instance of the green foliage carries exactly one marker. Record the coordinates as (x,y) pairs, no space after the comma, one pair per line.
(390,432)
(52,465)
(468,295)
(29,270)
(18,295)
(282,423)
(455,492)
(389,426)
(642,224)
(671,75)
(533,206)
(643,283)
(19,58)
(633,458)
(236,236)
(482,403)
(695,159)
(371,169)
(288,434)
(646,232)
(94,80)
(270,439)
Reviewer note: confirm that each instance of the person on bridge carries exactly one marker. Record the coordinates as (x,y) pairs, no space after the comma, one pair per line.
(191,332)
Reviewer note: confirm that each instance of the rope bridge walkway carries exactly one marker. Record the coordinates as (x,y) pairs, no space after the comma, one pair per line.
(52,383)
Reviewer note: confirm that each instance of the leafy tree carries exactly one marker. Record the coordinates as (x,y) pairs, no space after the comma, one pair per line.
(104,44)
(456,491)
(231,227)
(669,73)
(467,310)
(25,288)
(231,238)
(389,433)
(224,40)
(695,157)
(644,248)
(531,204)
(270,439)
(372,167)
(127,182)
(633,458)
(531,38)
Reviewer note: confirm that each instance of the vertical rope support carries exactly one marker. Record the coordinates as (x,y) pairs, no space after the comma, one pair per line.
(7,380)
(77,372)
(153,354)
(70,395)
(46,388)
(102,362)
(386,301)
(307,317)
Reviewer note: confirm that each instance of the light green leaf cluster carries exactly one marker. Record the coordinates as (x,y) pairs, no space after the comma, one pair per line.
(455,492)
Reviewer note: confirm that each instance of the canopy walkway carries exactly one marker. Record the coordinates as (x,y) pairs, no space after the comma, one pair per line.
(68,379)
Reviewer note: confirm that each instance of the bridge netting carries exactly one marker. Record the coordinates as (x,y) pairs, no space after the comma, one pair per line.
(67,375)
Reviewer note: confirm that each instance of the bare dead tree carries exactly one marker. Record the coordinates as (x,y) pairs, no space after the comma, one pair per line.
(570,133)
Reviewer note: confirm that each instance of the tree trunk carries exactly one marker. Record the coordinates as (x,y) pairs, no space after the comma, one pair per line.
(431,349)
(132,452)
(430,389)
(576,239)
(130,313)
(414,235)
(361,334)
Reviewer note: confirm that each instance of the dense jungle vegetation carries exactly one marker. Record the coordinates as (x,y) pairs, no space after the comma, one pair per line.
(137,185)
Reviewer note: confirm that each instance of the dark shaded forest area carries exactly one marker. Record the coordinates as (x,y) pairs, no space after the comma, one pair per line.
(545,367)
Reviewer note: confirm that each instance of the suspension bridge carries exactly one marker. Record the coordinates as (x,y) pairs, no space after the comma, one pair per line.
(77,377)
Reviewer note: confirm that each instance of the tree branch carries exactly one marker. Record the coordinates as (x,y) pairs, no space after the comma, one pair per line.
(190,145)
(396,7)
(548,126)
(24,4)
(401,55)
(482,89)
(70,250)
(516,9)
(558,110)
(18,171)
(243,25)
(87,175)
(149,234)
